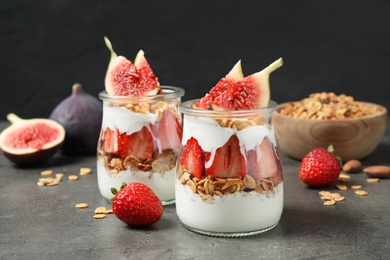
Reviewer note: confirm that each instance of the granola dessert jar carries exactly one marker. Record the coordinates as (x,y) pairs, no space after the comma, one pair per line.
(229,179)
(139,141)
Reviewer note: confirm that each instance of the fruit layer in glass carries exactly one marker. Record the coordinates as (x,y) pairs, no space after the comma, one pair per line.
(139,142)
(229,178)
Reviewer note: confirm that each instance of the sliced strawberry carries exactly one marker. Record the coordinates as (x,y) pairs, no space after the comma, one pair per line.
(263,162)
(139,144)
(109,141)
(168,131)
(192,158)
(228,161)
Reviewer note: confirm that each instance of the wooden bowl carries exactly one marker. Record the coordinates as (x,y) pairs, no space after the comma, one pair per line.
(351,138)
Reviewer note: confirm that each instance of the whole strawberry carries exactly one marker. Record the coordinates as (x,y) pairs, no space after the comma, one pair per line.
(320,167)
(136,205)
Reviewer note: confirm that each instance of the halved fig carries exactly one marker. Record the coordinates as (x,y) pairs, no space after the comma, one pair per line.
(250,92)
(31,141)
(229,81)
(123,78)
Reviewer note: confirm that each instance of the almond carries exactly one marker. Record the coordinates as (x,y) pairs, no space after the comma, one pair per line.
(377,171)
(352,166)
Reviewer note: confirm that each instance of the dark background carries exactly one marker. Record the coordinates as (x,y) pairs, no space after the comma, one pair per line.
(339,46)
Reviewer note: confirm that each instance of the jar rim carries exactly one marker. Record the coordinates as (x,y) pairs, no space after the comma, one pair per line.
(170,92)
(187,109)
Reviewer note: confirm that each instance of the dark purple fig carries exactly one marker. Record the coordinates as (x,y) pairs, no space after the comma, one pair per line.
(31,141)
(81,116)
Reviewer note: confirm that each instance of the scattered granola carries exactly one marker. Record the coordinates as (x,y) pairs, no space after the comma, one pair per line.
(373,180)
(81,205)
(50,181)
(73,177)
(103,210)
(330,198)
(99,216)
(344,177)
(329,202)
(99,213)
(341,187)
(85,171)
(361,193)
(53,181)
(328,106)
(59,176)
(46,172)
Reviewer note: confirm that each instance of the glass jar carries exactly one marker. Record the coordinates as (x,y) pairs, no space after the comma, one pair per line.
(139,142)
(229,179)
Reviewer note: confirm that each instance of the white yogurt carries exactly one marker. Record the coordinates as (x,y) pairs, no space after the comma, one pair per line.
(232,213)
(163,185)
(125,120)
(211,136)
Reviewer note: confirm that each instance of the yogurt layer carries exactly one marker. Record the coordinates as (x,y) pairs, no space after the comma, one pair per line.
(161,184)
(125,120)
(238,212)
(210,135)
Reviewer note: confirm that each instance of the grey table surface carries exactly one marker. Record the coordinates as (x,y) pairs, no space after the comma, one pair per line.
(43,223)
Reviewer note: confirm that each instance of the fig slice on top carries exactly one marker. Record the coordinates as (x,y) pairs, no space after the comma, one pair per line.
(234,93)
(225,83)
(124,78)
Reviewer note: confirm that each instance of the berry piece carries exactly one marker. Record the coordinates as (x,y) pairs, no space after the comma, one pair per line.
(319,168)
(137,205)
(139,144)
(228,161)
(263,162)
(168,131)
(192,158)
(109,141)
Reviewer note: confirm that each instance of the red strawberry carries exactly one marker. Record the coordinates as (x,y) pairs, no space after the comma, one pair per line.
(139,144)
(168,131)
(192,158)
(319,168)
(263,164)
(228,161)
(137,205)
(109,141)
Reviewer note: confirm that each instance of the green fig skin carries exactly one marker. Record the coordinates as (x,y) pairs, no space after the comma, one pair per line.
(81,116)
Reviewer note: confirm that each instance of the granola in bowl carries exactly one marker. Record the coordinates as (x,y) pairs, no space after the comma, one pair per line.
(354,128)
